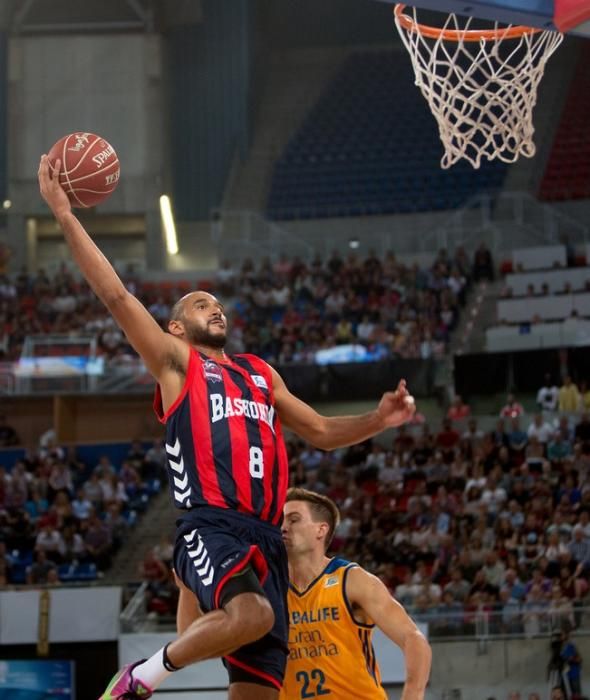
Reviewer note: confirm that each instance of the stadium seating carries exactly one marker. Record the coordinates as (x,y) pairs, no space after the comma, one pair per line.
(576,279)
(539,258)
(547,308)
(362,150)
(567,175)
(461,522)
(528,336)
(545,305)
(29,495)
(431,287)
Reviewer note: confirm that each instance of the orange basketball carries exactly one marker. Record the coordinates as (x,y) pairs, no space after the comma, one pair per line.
(89,170)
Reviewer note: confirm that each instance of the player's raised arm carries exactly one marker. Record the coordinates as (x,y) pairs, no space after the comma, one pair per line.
(327,433)
(367,593)
(157,348)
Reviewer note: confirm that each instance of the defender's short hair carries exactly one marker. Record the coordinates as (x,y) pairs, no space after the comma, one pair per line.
(323,509)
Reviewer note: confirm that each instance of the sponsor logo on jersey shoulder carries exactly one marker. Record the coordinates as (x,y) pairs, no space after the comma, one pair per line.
(331,581)
(212,372)
(260,381)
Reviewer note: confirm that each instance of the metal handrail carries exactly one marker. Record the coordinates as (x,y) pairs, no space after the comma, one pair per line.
(135,611)
(482,625)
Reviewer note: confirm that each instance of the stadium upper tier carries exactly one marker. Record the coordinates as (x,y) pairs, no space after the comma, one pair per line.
(370,146)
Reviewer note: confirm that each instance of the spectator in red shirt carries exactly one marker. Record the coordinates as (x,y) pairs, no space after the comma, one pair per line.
(512,409)
(458,410)
(447,440)
(403,441)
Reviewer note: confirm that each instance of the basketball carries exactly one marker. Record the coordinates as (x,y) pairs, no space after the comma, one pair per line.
(89,170)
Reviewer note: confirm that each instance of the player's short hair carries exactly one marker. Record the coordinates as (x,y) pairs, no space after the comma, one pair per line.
(177,312)
(323,509)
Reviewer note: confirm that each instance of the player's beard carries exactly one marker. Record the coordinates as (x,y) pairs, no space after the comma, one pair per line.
(202,336)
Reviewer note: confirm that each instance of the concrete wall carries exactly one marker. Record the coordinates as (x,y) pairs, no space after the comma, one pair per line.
(105,84)
(492,669)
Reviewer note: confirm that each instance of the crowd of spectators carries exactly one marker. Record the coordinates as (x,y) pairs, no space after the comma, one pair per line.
(478,527)
(288,311)
(284,311)
(62,519)
(469,529)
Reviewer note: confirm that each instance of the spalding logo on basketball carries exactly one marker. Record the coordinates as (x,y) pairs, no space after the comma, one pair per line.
(89,170)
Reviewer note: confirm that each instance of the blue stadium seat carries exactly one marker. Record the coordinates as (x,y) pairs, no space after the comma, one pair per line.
(77,572)
(370,146)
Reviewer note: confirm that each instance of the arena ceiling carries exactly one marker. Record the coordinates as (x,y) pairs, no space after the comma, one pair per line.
(63,16)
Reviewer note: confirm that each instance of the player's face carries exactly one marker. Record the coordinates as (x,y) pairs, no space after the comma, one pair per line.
(204,320)
(301,534)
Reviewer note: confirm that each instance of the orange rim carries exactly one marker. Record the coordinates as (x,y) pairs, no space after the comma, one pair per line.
(512,32)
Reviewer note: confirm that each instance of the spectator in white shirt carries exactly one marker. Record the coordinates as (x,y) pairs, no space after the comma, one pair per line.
(584,523)
(226,277)
(477,480)
(7,288)
(51,542)
(81,506)
(406,592)
(540,429)
(473,435)
(64,302)
(493,495)
(548,395)
(364,330)
(494,569)
(391,473)
(280,294)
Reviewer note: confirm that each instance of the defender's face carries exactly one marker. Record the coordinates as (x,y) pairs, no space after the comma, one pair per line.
(301,534)
(204,320)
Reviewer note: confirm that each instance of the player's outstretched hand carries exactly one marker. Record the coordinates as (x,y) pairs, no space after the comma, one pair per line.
(51,189)
(397,407)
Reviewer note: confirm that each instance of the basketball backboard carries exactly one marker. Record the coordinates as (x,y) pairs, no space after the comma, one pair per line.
(565,15)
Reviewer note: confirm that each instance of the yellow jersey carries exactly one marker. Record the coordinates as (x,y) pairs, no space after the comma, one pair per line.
(330,652)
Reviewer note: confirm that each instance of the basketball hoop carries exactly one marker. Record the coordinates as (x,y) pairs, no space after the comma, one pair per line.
(481,84)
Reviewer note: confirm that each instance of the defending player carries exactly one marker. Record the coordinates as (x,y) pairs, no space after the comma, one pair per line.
(333,607)
(228,473)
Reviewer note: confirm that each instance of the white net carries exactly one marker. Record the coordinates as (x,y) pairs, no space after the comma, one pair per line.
(481,85)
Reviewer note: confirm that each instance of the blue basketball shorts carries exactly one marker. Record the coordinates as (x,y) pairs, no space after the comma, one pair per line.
(214,544)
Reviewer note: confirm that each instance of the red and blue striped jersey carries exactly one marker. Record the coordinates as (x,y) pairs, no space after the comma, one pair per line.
(224,442)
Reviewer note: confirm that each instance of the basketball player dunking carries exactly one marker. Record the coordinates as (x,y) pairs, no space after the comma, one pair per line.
(228,473)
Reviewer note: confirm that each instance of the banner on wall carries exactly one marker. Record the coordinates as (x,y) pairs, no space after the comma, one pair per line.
(36,680)
(351,353)
(59,366)
(75,615)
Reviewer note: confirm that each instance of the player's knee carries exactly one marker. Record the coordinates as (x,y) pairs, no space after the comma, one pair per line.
(265,617)
(251,616)
(261,618)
